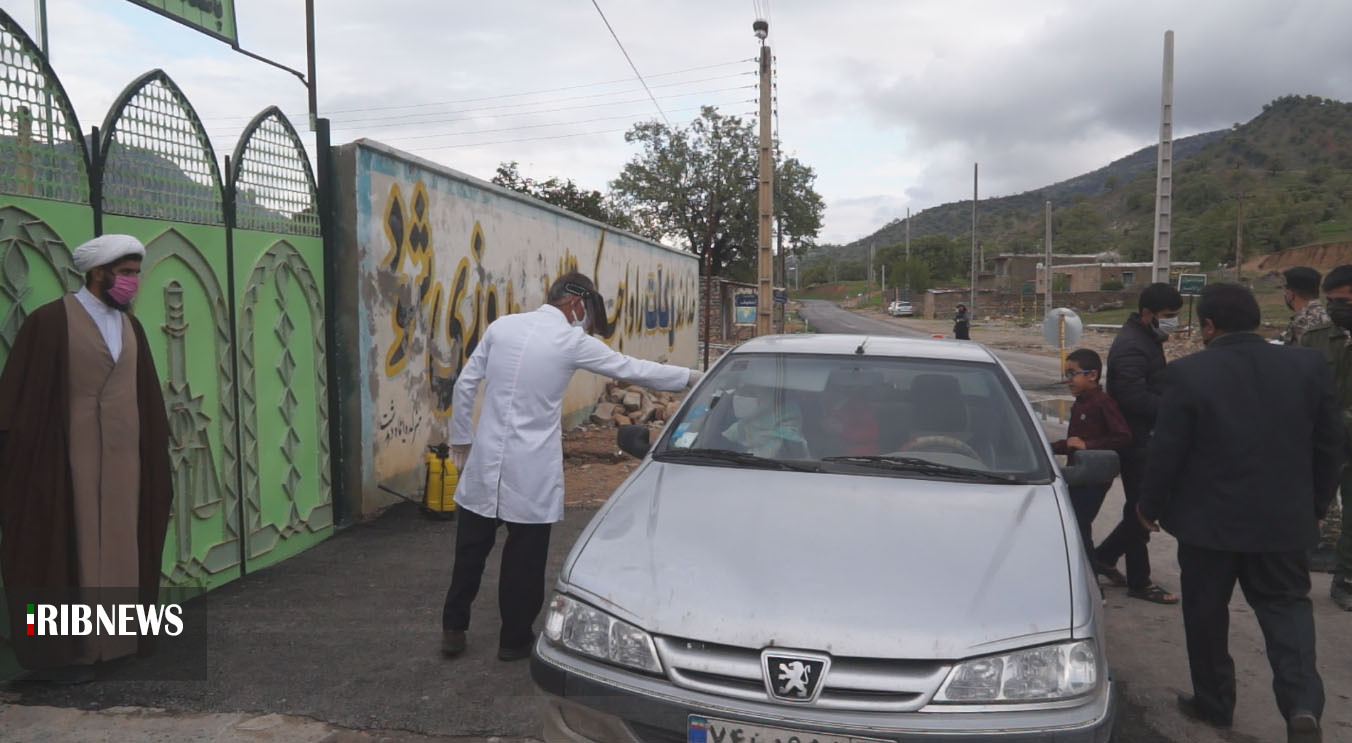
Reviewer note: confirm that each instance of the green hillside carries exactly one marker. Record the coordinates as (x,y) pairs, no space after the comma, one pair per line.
(1289,170)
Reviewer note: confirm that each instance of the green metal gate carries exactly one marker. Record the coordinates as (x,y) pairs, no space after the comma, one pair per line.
(232,296)
(277,263)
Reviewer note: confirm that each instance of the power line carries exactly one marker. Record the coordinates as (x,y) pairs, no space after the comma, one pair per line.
(543,126)
(556,100)
(346,124)
(539,91)
(504,105)
(631,62)
(527,139)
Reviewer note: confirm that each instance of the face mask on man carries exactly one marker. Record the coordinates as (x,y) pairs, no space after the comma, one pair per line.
(1168,325)
(123,289)
(583,322)
(1340,312)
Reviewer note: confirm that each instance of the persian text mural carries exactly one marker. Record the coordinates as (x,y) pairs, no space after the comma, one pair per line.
(443,255)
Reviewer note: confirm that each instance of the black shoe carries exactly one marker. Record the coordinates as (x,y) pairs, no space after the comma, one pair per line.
(520,653)
(1303,727)
(452,642)
(1341,593)
(1187,704)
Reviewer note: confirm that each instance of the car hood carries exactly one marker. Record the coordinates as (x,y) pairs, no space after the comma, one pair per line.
(881,567)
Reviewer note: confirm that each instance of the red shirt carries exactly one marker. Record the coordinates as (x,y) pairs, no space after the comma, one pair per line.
(1096,418)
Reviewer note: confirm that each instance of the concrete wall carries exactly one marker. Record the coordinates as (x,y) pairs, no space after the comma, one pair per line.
(428,258)
(943,304)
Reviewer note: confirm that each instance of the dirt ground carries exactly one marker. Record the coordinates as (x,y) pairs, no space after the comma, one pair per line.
(593,465)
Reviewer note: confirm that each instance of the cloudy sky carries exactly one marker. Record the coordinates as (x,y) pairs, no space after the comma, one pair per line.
(890,101)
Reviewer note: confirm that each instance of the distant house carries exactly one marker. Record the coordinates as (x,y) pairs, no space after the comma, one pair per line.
(1013,271)
(1090,277)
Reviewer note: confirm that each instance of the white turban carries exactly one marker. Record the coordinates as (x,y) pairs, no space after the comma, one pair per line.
(106,249)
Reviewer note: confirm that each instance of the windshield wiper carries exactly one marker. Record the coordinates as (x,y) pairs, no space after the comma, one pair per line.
(732,457)
(916,464)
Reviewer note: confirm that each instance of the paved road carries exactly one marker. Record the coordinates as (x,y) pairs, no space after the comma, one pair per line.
(1037,374)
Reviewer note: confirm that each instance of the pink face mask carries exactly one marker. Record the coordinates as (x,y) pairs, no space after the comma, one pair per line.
(123,289)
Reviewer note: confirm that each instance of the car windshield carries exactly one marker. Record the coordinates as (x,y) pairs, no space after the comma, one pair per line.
(900,417)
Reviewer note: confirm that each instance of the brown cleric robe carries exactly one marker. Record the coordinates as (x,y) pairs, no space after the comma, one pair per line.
(54,541)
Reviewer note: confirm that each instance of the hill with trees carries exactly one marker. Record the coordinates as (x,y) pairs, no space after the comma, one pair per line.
(1284,179)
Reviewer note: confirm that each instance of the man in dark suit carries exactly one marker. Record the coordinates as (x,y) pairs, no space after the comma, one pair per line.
(1243,491)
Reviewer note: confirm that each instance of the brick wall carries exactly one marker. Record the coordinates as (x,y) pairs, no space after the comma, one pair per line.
(721,326)
(943,305)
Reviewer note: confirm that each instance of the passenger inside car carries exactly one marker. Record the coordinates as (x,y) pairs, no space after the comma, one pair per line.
(766,424)
(849,420)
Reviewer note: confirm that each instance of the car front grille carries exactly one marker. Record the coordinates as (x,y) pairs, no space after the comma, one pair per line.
(850,683)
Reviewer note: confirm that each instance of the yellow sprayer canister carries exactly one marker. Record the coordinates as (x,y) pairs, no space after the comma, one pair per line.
(439,490)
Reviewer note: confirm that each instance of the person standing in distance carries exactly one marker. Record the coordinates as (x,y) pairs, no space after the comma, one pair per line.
(512,474)
(1243,492)
(1302,297)
(1135,369)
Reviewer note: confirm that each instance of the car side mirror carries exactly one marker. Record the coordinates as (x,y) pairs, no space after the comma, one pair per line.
(1092,466)
(634,440)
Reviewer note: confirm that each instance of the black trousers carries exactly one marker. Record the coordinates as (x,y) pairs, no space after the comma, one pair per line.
(1087,500)
(1277,586)
(521,581)
(1129,539)
(962,331)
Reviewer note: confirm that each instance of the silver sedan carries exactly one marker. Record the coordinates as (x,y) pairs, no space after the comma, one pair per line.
(837,538)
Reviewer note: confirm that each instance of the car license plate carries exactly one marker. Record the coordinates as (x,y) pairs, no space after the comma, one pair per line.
(710,730)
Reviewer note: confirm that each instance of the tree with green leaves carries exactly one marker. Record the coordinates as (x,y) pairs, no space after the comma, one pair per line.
(565,194)
(697,185)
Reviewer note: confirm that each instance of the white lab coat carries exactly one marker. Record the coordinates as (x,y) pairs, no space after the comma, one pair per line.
(515,468)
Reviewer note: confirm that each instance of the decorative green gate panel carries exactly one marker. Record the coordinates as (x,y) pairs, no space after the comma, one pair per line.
(44,201)
(185,308)
(160,183)
(282,375)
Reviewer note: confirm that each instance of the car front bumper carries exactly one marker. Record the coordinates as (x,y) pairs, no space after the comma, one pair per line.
(589,702)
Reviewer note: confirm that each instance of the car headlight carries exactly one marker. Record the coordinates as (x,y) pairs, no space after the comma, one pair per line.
(590,631)
(1034,675)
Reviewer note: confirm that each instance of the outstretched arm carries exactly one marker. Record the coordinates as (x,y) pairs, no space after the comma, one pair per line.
(595,356)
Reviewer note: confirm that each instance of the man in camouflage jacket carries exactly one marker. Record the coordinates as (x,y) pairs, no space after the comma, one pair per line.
(1335,342)
(1302,296)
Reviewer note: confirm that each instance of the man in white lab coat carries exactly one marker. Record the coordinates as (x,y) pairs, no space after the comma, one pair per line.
(513,472)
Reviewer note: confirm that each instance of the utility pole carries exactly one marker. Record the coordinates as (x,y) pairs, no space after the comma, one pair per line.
(765,298)
(908,253)
(1239,238)
(1165,171)
(1047,265)
(883,288)
(972,307)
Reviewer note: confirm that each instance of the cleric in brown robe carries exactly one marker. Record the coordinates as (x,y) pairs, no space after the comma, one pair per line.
(84,461)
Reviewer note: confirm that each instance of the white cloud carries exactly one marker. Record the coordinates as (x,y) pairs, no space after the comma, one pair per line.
(891,103)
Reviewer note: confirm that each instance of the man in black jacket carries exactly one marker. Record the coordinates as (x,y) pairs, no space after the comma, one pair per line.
(1135,366)
(1243,491)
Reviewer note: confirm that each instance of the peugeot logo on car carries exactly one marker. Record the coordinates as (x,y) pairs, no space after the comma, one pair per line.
(794,677)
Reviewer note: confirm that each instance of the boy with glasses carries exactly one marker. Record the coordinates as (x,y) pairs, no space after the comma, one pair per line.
(1095,423)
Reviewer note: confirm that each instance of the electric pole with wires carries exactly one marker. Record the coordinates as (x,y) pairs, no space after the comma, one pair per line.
(765,258)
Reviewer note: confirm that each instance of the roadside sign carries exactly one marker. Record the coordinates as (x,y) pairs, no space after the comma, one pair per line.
(744,308)
(1191,284)
(781,297)
(1029,289)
